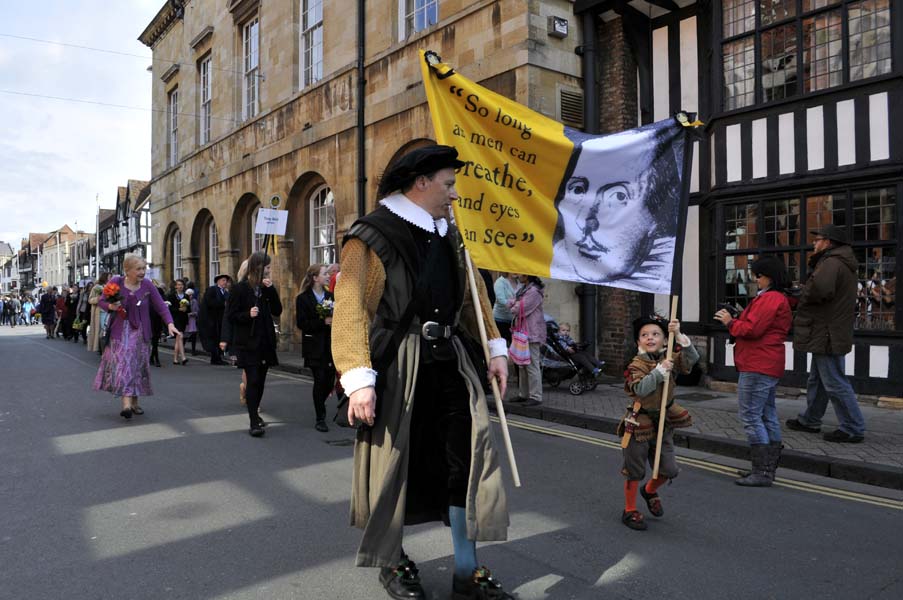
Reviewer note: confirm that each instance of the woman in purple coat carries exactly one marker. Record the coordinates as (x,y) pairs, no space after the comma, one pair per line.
(124,368)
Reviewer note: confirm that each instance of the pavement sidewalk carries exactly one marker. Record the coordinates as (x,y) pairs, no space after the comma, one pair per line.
(876,461)
(716,428)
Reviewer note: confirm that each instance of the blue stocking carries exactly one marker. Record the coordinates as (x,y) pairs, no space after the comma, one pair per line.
(465,549)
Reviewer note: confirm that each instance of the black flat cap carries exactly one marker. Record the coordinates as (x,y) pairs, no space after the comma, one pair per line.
(422,161)
(656,320)
(221,276)
(832,232)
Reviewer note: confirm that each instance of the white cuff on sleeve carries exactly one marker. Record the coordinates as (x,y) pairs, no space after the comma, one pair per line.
(498,347)
(683,340)
(358,378)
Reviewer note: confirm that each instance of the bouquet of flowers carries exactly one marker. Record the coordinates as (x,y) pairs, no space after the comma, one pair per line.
(111,293)
(184,304)
(324,309)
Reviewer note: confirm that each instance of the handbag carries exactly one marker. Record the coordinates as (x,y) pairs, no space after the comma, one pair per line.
(520,341)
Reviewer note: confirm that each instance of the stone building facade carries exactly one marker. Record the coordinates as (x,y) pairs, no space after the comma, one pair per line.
(255,99)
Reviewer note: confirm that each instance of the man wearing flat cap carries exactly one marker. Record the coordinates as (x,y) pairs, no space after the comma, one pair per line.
(823,326)
(402,324)
(210,317)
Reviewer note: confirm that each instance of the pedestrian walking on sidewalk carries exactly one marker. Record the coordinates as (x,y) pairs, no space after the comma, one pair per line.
(178,308)
(403,305)
(759,333)
(191,329)
(124,368)
(644,384)
(313,315)
(84,311)
(225,342)
(27,308)
(252,305)
(156,329)
(210,316)
(505,287)
(47,308)
(98,316)
(526,306)
(823,326)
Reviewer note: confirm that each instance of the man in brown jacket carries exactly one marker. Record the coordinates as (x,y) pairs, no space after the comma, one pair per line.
(823,326)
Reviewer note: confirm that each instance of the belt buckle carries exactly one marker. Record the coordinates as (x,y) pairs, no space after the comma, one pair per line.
(427,336)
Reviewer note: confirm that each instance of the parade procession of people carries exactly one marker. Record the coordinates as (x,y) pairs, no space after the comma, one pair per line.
(400,290)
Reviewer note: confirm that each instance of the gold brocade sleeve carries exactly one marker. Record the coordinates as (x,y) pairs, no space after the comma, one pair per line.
(357,295)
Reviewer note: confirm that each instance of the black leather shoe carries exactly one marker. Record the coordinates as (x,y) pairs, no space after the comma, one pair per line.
(321,426)
(126,413)
(256,431)
(795,425)
(403,581)
(843,437)
(479,586)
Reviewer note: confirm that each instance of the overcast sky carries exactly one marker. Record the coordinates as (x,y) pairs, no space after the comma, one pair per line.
(56,156)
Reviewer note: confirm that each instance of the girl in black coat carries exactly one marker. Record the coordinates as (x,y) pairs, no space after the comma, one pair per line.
(313,311)
(252,305)
(179,306)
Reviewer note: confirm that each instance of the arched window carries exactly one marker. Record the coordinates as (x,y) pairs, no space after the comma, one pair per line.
(213,252)
(177,255)
(322,226)
(256,238)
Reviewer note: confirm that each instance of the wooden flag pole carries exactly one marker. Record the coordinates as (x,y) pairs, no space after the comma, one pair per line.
(475,297)
(663,411)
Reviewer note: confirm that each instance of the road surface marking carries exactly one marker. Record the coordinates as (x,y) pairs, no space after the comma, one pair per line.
(718,468)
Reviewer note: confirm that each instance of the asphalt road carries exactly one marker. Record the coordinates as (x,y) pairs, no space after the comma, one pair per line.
(182,503)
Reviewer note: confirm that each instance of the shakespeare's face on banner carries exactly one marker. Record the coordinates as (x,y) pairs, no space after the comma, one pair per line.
(609,229)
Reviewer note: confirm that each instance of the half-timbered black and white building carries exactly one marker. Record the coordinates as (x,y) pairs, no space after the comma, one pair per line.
(803,106)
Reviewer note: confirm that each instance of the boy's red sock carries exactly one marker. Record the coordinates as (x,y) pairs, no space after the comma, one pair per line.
(630,490)
(653,484)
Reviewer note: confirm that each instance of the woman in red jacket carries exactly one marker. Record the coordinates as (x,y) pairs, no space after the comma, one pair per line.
(760,332)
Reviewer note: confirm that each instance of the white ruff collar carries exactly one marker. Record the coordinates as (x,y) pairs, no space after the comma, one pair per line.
(402,207)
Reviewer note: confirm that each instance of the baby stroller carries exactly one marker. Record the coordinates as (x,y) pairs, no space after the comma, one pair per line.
(558,366)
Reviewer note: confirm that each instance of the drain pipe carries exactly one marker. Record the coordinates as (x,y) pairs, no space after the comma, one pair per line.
(361,91)
(587,292)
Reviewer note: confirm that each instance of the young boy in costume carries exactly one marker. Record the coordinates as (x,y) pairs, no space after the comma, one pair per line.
(644,383)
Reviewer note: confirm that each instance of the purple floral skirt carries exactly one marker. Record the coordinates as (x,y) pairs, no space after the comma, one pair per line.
(124,368)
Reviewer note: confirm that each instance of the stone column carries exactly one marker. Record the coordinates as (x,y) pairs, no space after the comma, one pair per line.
(284,277)
(190,268)
(228,262)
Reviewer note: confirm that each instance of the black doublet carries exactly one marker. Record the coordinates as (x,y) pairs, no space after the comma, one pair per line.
(438,302)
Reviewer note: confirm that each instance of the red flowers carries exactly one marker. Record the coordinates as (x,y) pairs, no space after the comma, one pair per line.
(111,291)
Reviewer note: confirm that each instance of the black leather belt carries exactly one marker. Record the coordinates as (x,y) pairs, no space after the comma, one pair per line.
(434,331)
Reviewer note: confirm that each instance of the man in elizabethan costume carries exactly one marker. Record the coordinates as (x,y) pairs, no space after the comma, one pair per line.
(403,318)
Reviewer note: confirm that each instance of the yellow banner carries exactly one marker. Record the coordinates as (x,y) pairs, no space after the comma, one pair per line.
(515,159)
(541,199)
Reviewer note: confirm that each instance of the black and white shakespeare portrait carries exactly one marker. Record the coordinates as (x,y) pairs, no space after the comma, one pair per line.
(618,209)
